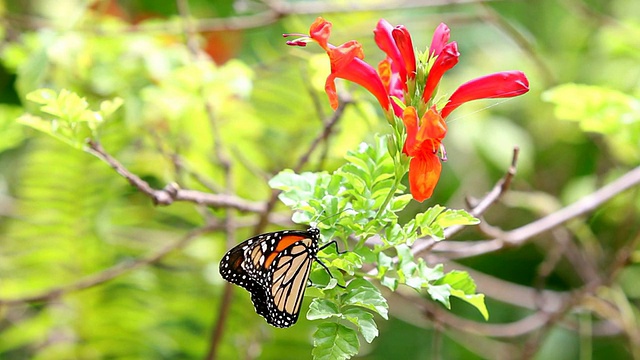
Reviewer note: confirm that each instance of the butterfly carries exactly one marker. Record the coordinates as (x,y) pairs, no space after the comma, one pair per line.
(274,267)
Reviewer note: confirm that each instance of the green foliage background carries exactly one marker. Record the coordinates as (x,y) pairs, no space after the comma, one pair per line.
(66,215)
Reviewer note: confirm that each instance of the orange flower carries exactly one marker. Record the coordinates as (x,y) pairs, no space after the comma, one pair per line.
(423,144)
(346,63)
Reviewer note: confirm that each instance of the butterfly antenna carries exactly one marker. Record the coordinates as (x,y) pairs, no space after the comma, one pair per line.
(334,215)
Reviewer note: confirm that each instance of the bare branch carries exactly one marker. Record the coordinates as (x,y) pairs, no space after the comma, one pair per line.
(108,274)
(521,235)
(480,207)
(172,192)
(583,206)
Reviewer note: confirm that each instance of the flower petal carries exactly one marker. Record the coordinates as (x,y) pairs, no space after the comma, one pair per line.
(432,127)
(439,40)
(405,45)
(424,172)
(346,63)
(320,31)
(447,59)
(498,85)
(410,120)
(391,82)
(385,41)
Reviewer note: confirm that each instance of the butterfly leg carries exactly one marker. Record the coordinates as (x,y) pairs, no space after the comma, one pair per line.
(325,266)
(333,242)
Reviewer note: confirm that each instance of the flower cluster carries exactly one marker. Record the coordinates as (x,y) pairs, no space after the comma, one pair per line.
(405,85)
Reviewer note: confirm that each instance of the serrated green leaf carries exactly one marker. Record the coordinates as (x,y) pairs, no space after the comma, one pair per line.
(394,234)
(366,254)
(364,321)
(431,274)
(362,293)
(322,309)
(406,261)
(296,189)
(333,341)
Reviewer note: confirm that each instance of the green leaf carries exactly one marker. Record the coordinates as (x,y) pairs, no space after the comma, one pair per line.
(297,189)
(463,287)
(437,218)
(362,293)
(322,309)
(455,217)
(459,280)
(428,217)
(348,262)
(384,263)
(72,121)
(476,300)
(440,293)
(333,341)
(390,282)
(364,321)
(400,202)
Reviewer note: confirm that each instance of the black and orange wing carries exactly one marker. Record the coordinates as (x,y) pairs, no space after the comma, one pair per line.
(274,268)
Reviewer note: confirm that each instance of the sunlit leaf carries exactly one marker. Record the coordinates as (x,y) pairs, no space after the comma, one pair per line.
(364,321)
(334,341)
(361,292)
(322,309)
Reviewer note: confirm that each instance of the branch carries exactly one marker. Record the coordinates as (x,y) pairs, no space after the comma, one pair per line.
(172,192)
(518,236)
(478,209)
(583,206)
(108,274)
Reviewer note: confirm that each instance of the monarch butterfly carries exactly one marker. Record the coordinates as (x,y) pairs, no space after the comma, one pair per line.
(274,267)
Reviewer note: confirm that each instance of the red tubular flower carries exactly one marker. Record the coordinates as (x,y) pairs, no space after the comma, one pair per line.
(424,140)
(383,37)
(392,83)
(498,85)
(405,45)
(447,59)
(439,40)
(320,31)
(346,63)
(396,43)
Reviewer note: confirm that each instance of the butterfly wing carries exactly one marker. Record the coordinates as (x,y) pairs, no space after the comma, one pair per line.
(289,276)
(274,268)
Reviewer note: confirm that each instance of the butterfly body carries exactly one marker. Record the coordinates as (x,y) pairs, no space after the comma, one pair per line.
(274,268)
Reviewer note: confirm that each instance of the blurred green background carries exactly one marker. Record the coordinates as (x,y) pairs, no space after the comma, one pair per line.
(66,215)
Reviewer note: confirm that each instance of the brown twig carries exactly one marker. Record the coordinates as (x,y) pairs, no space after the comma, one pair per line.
(478,209)
(519,236)
(172,192)
(108,274)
